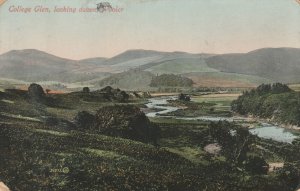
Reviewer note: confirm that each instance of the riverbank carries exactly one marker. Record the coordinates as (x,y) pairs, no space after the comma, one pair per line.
(172,109)
(269,121)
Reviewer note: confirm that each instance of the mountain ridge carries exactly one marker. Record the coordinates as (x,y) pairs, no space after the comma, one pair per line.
(275,64)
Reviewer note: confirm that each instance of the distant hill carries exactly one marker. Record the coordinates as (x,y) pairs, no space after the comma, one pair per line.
(171,80)
(228,70)
(95,61)
(276,64)
(223,79)
(132,79)
(131,55)
(33,65)
(143,59)
(182,65)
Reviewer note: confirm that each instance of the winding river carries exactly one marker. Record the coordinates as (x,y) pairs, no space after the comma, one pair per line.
(264,130)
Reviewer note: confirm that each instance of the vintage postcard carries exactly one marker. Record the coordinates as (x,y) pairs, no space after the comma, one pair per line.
(149,95)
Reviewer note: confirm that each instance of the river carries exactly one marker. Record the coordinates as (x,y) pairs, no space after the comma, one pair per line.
(263,130)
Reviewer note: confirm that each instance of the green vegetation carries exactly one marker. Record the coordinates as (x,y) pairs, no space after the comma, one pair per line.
(277,102)
(132,79)
(194,109)
(181,65)
(171,80)
(224,79)
(217,105)
(91,140)
(125,121)
(183,97)
(276,64)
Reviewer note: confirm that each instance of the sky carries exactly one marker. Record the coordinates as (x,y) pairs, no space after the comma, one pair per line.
(196,26)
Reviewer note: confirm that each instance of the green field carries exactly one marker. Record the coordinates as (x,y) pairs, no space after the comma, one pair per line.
(222,101)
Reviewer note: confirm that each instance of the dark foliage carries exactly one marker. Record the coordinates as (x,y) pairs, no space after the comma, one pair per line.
(84,120)
(36,92)
(125,121)
(234,140)
(275,101)
(184,97)
(256,165)
(112,94)
(86,90)
(289,174)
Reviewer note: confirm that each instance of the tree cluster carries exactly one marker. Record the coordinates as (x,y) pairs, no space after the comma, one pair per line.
(126,121)
(277,102)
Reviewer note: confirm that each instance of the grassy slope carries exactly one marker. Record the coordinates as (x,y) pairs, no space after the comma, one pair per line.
(132,79)
(44,157)
(55,158)
(206,76)
(179,66)
(278,64)
(223,79)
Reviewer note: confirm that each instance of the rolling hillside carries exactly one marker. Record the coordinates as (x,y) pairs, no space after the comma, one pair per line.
(33,65)
(276,64)
(132,79)
(229,70)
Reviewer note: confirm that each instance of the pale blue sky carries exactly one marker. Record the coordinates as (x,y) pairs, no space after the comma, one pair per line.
(212,26)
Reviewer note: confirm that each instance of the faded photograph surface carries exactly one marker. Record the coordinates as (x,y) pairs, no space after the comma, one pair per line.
(117,95)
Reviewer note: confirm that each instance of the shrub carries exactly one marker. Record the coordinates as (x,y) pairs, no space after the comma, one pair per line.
(84,120)
(125,121)
(86,90)
(36,92)
(183,97)
(256,165)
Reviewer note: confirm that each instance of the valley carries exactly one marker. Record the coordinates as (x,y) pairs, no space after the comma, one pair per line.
(60,138)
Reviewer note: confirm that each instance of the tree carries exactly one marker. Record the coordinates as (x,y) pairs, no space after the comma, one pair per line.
(125,121)
(289,174)
(256,165)
(84,120)
(183,97)
(122,96)
(36,92)
(86,90)
(233,139)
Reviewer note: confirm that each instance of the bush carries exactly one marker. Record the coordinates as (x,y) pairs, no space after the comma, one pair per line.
(86,90)
(289,174)
(121,96)
(125,121)
(84,120)
(183,97)
(36,92)
(256,165)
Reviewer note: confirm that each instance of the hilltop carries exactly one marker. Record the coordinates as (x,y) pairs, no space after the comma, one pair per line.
(250,69)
